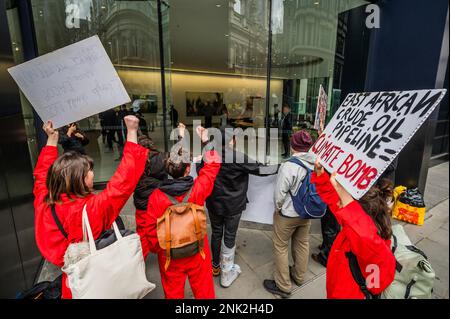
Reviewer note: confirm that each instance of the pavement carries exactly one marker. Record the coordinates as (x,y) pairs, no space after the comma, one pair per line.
(254,250)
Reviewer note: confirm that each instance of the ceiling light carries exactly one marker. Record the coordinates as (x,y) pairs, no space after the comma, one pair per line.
(316,2)
(218,5)
(226,35)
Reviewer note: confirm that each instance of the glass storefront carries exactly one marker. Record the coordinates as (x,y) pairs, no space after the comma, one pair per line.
(129,33)
(215,57)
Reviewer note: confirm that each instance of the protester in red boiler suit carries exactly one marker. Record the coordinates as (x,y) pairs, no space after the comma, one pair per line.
(196,268)
(366,232)
(67,183)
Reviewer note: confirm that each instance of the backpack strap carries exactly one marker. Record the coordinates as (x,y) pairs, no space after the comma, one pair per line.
(416,250)
(168,238)
(358,276)
(398,266)
(394,243)
(408,288)
(198,231)
(58,222)
(184,201)
(297,161)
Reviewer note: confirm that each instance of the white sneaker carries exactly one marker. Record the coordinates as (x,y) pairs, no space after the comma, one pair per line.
(229,270)
(227,277)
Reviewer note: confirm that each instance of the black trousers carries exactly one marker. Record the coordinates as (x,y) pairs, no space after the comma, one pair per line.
(286,138)
(208,121)
(330,229)
(222,226)
(111,137)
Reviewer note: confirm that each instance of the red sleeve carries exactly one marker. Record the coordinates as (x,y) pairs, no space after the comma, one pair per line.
(148,228)
(107,204)
(326,191)
(204,183)
(48,155)
(367,245)
(142,226)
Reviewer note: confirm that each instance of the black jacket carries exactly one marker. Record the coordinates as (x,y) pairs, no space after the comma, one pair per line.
(286,123)
(73,143)
(153,175)
(229,196)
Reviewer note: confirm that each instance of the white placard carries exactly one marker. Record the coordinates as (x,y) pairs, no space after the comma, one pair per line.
(368,131)
(321,110)
(71,83)
(260,195)
(261,199)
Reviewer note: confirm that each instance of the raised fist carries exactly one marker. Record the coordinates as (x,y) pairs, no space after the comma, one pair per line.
(132,122)
(202,133)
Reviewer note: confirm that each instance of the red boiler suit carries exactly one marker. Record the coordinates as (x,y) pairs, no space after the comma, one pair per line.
(102,208)
(195,268)
(359,234)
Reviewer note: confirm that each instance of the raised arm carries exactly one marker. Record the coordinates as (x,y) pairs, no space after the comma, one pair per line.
(359,229)
(256,168)
(204,183)
(325,189)
(119,189)
(48,155)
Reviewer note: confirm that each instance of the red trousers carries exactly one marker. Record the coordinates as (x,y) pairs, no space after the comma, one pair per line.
(195,268)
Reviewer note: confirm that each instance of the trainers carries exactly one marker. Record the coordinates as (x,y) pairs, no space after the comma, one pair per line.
(228,276)
(271,287)
(291,270)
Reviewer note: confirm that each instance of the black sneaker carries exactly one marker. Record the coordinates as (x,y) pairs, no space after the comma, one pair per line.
(271,287)
(292,277)
(320,259)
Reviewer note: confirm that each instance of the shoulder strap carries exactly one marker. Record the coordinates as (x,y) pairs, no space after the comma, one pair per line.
(299,162)
(394,243)
(184,201)
(58,222)
(357,275)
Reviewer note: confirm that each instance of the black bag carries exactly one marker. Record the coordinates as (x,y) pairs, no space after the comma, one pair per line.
(43,290)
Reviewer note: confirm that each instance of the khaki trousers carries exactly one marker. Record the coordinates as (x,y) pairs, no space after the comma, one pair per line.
(285,229)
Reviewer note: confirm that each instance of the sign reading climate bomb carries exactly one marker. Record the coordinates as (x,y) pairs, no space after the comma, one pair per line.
(368,131)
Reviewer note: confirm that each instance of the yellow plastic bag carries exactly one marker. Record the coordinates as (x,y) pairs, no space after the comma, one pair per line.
(406,212)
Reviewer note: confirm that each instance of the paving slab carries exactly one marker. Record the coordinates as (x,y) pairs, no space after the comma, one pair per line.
(315,289)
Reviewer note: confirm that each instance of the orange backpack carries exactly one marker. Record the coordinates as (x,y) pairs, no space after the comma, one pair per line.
(181,229)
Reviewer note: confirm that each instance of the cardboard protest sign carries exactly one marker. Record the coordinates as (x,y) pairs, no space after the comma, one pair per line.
(321,110)
(368,131)
(71,83)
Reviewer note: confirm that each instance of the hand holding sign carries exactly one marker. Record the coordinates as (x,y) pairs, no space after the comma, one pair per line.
(52,134)
(71,83)
(367,133)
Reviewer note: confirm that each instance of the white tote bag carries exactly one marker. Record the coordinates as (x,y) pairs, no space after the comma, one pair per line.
(114,272)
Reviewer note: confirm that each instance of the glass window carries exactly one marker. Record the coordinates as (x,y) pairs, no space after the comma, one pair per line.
(219,62)
(304,57)
(129,33)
